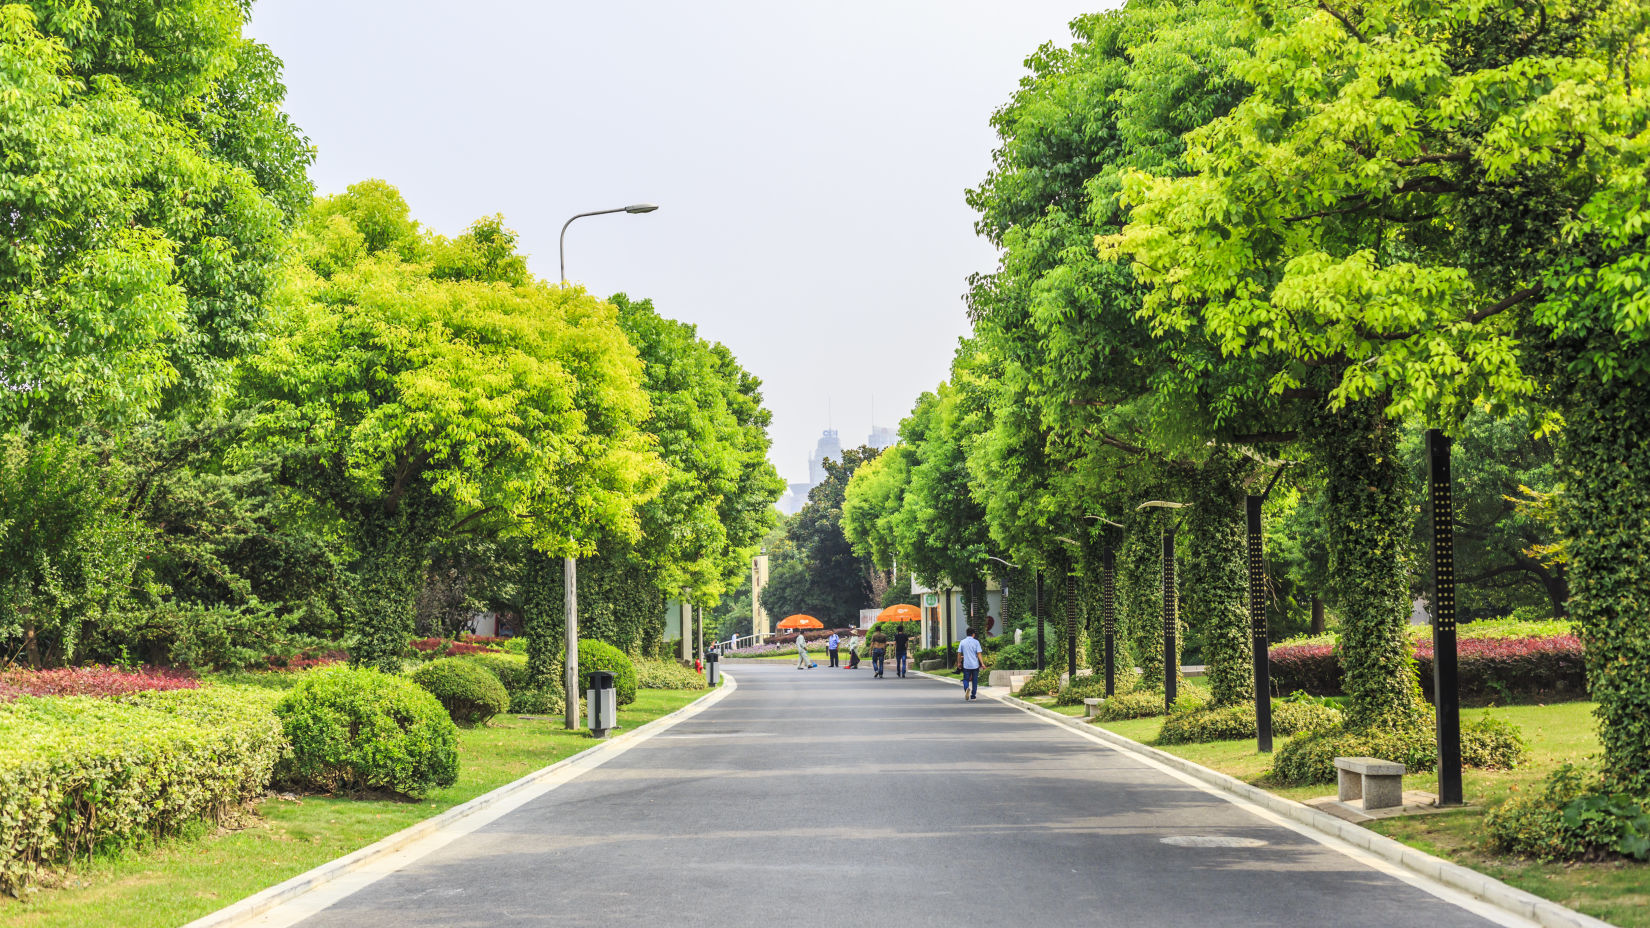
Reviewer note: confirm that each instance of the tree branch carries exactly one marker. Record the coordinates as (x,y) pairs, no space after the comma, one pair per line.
(1344,21)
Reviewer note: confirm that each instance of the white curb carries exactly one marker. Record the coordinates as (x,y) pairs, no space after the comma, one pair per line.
(309,892)
(1510,899)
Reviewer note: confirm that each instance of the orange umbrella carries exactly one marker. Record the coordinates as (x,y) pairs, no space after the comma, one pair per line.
(903,612)
(800,621)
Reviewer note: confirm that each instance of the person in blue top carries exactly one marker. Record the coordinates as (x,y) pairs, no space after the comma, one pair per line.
(968,661)
(831,645)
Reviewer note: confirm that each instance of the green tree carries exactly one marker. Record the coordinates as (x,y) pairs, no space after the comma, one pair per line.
(439,389)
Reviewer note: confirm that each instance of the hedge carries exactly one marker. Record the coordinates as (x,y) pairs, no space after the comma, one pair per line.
(1229,723)
(1487,743)
(1491,669)
(666,675)
(80,774)
(542,697)
(91,681)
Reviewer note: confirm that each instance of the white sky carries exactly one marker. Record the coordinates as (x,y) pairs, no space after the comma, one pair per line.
(809,161)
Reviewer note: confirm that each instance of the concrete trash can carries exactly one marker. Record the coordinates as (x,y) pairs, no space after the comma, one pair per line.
(601,704)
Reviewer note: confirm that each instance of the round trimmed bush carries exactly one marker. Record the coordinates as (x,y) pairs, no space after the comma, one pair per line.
(469,692)
(542,697)
(354,730)
(599,655)
(1042,683)
(1074,692)
(1022,656)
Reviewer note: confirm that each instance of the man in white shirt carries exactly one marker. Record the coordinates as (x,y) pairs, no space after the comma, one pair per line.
(968,660)
(853,650)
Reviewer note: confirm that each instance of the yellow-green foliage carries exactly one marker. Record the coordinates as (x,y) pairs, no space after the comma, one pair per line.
(84,773)
(666,675)
(470,693)
(1310,758)
(1227,723)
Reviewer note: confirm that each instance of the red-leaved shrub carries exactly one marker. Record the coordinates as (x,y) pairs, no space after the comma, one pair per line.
(91,681)
(431,648)
(1491,669)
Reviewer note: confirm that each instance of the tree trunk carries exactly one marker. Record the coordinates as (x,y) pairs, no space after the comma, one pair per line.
(1317,614)
(1216,580)
(31,645)
(1605,519)
(1369,515)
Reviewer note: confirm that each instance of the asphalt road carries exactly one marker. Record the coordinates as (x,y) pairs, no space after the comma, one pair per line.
(825,797)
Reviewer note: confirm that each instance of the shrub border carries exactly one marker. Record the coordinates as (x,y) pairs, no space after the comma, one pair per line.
(1470,882)
(363,867)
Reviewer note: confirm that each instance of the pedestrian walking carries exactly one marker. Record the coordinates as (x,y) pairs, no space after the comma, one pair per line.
(902,644)
(802,662)
(853,650)
(968,661)
(879,651)
(831,644)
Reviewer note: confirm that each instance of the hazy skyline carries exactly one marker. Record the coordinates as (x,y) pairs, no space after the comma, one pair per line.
(809,162)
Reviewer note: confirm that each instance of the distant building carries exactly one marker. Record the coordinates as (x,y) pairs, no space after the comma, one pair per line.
(794,499)
(829,447)
(882,437)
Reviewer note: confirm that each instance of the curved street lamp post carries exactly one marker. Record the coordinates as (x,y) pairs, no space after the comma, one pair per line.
(569,564)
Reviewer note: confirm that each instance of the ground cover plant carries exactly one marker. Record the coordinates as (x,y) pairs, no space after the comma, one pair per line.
(1492,668)
(91,681)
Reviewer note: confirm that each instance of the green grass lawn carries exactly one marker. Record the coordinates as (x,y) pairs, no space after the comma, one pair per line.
(184,878)
(1561,733)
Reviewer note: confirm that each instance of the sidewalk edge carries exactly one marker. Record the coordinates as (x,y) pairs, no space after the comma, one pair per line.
(257,904)
(1480,886)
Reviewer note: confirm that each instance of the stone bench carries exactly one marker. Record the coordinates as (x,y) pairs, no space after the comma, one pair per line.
(1018,678)
(1379,783)
(935,664)
(1091,706)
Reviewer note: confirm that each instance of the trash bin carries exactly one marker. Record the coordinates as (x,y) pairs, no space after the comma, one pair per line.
(713,672)
(601,704)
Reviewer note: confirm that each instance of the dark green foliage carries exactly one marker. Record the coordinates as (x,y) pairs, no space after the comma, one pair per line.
(1369,518)
(354,730)
(1140,595)
(1488,743)
(1022,656)
(599,655)
(1572,818)
(814,570)
(1237,720)
(1606,521)
(469,692)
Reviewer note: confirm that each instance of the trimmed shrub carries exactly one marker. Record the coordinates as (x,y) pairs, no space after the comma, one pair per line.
(1042,683)
(599,655)
(1022,656)
(91,681)
(666,675)
(1492,744)
(1492,668)
(526,695)
(1073,693)
(365,729)
(1135,704)
(1230,723)
(469,692)
(1571,819)
(80,774)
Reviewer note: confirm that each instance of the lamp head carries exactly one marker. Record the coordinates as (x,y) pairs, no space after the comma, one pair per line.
(641,208)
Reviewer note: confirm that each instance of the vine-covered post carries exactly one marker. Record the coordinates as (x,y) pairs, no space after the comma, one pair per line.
(1037,618)
(1257,628)
(1071,627)
(1446,695)
(1108,603)
(1171,606)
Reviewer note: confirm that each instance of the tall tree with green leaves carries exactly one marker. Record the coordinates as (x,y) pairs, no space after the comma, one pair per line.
(439,389)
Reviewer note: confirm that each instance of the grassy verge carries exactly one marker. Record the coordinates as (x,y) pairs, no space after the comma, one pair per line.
(185,878)
(1558,734)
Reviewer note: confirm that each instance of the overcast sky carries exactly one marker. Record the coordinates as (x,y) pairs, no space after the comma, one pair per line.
(809,161)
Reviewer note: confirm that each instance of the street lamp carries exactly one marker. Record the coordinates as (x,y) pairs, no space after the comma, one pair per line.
(1171,611)
(633,208)
(570,585)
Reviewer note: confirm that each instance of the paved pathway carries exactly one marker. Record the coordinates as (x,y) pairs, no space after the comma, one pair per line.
(825,797)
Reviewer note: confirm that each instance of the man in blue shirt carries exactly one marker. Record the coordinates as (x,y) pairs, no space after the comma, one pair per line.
(831,645)
(968,660)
